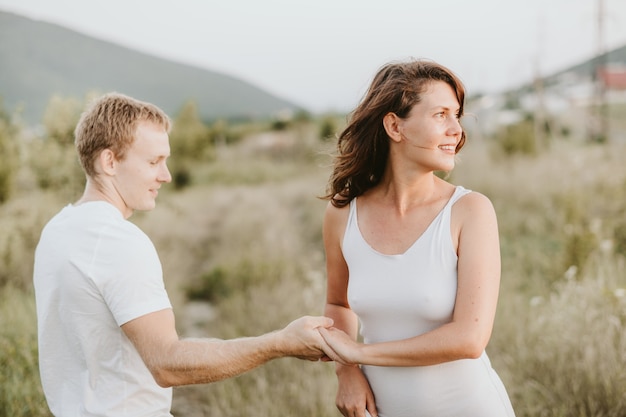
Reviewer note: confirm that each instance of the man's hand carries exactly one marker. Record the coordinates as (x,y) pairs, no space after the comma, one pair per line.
(301,338)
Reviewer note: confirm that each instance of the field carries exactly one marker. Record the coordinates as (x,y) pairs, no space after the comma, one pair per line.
(242,255)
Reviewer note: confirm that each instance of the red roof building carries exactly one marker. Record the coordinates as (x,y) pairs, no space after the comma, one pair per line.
(613,78)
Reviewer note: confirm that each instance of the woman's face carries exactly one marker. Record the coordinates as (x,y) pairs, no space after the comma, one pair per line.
(431,132)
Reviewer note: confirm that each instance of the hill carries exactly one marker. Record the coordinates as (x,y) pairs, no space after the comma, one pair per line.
(583,70)
(615,57)
(40,59)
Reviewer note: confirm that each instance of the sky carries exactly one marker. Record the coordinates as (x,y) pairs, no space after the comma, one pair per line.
(322,54)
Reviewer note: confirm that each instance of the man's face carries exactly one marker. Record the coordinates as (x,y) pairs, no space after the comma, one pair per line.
(141,173)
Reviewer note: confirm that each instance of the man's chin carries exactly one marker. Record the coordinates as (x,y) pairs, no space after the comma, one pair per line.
(147,206)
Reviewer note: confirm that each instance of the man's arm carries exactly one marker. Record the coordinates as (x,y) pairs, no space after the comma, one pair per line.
(174,362)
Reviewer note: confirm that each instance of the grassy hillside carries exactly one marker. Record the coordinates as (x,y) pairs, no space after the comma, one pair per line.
(247,234)
(41,59)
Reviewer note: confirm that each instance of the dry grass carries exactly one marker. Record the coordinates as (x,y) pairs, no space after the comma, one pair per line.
(559,341)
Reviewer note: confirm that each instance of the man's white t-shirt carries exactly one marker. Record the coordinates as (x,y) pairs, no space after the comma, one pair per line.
(95,271)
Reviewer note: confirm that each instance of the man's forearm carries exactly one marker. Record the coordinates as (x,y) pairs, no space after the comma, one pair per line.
(197,361)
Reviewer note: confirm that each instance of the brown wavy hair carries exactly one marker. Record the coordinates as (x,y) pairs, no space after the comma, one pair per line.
(363,146)
(110,122)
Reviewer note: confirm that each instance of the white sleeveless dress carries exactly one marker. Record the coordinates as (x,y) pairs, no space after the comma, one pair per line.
(402,296)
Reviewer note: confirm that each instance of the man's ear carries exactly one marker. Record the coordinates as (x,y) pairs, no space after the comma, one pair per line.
(392,126)
(107,162)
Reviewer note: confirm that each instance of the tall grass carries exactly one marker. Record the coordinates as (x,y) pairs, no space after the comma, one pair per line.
(569,350)
(20,389)
(251,226)
(559,340)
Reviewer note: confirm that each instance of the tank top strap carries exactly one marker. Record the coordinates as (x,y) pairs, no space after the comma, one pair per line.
(352,213)
(350,235)
(459,192)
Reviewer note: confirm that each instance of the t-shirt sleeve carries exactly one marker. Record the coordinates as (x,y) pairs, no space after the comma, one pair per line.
(131,276)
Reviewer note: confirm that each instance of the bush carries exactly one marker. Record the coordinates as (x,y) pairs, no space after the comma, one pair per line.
(619,235)
(190,137)
(56,168)
(221,133)
(20,387)
(223,281)
(328,129)
(518,138)
(60,119)
(21,221)
(9,156)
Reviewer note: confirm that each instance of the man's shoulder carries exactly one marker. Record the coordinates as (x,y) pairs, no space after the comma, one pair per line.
(101,224)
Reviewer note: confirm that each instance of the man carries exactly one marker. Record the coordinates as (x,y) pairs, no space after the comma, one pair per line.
(107,339)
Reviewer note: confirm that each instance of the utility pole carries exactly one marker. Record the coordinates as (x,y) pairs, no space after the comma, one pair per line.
(600,120)
(540,121)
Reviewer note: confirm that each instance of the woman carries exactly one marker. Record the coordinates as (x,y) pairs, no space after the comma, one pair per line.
(413,258)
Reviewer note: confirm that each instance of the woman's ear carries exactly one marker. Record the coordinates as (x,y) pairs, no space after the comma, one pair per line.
(391,122)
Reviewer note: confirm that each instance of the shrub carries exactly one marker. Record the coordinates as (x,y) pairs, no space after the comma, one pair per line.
(279,125)
(20,387)
(223,281)
(9,156)
(220,133)
(60,119)
(190,137)
(619,236)
(517,138)
(56,167)
(328,129)
(21,221)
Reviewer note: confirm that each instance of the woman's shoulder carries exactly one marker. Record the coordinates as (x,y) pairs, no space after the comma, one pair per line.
(334,210)
(473,203)
(335,219)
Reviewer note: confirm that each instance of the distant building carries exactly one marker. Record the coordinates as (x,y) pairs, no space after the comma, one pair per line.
(613,77)
(566,100)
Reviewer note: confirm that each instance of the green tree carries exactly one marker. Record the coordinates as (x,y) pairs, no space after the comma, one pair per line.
(223,134)
(328,128)
(9,154)
(190,137)
(518,138)
(60,118)
(53,158)
(190,142)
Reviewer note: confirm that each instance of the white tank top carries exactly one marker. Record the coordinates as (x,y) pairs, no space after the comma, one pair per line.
(405,295)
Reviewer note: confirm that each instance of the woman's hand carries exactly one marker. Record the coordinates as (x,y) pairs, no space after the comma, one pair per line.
(354,395)
(340,347)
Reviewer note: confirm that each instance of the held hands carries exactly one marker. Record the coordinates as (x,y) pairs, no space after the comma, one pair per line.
(314,338)
(338,346)
(302,339)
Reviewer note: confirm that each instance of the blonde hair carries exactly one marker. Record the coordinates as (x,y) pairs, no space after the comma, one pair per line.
(110,122)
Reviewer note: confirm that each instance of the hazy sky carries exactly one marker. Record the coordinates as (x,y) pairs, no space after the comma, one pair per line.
(322,54)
